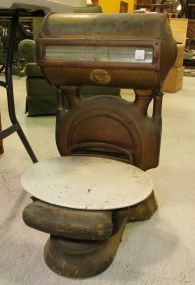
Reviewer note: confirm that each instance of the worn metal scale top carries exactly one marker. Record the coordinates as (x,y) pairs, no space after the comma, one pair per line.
(81,182)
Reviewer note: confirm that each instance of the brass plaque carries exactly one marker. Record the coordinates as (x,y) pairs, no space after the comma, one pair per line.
(100,76)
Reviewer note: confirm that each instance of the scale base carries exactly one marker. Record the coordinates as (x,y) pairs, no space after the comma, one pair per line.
(81,259)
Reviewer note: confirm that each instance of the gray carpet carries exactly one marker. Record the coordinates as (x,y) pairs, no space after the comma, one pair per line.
(160,251)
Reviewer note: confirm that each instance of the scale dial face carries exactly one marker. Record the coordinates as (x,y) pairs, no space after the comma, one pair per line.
(107,54)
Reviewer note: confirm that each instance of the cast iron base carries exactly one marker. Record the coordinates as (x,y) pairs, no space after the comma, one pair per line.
(80,259)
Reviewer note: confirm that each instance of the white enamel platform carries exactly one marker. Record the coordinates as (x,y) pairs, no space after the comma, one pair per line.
(82,182)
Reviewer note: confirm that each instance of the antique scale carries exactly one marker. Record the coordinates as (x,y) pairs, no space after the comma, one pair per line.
(84,198)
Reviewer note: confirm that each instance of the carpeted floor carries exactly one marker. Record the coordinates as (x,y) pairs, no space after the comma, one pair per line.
(160,251)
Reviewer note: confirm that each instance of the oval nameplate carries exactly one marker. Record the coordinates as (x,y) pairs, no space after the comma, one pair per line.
(100,76)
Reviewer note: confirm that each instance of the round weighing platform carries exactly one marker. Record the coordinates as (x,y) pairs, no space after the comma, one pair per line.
(82,182)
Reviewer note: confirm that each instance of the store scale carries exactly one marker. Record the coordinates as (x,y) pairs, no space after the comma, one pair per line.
(85,197)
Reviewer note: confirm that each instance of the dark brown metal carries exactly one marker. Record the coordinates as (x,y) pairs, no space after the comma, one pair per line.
(143,210)
(112,127)
(84,243)
(81,259)
(132,30)
(68,223)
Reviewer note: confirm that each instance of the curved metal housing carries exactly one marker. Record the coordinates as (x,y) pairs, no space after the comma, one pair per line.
(124,50)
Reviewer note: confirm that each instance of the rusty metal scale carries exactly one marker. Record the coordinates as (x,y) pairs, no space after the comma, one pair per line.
(111,50)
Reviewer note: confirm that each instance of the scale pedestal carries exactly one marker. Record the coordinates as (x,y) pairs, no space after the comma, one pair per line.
(84,203)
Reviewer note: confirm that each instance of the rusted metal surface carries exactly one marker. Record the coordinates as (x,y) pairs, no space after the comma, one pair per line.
(143,210)
(107,30)
(104,126)
(81,259)
(69,223)
(83,243)
(112,127)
